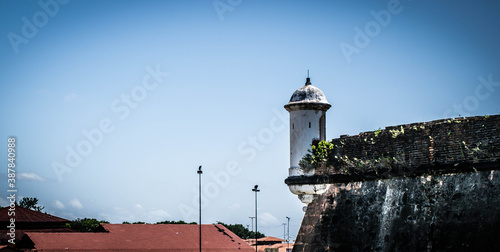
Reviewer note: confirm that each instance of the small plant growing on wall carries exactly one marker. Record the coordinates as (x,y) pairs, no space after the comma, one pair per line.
(319,156)
(325,157)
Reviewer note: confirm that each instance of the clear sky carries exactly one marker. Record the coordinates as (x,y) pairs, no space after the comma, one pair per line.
(115,104)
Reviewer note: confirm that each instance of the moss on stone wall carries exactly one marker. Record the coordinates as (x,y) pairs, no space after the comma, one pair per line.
(407,147)
(431,186)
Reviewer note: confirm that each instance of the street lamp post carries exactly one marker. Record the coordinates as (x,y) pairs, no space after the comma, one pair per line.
(256,191)
(284,231)
(288,240)
(199,173)
(251,220)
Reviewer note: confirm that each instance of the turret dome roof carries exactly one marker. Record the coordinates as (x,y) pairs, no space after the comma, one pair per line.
(307,94)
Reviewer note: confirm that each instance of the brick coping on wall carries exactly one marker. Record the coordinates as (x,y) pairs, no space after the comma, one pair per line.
(446,146)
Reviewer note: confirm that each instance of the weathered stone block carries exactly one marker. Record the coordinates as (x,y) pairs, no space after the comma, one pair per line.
(441,194)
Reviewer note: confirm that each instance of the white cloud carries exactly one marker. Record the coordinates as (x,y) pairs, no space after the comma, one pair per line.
(159,213)
(104,216)
(138,206)
(76,203)
(234,207)
(268,219)
(30,176)
(120,214)
(3,202)
(70,97)
(58,204)
(69,216)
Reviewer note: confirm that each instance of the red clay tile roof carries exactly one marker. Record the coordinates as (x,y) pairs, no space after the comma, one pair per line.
(28,215)
(282,246)
(7,248)
(4,237)
(142,237)
(270,238)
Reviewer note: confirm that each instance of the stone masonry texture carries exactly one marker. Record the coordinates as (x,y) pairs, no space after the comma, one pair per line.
(451,205)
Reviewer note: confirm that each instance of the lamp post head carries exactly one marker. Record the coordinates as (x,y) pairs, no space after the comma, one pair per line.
(255,188)
(199,170)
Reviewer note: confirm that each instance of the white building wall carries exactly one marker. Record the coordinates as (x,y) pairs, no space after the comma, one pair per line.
(304,127)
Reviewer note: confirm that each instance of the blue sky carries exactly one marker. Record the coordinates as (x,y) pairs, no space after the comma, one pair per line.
(217,76)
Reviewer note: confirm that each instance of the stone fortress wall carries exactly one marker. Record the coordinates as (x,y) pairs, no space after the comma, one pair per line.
(432,186)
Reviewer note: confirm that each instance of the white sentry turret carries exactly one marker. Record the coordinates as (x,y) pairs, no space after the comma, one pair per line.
(307,107)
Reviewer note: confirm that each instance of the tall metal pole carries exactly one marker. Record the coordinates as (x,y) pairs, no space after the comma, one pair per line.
(284,231)
(199,173)
(288,240)
(256,191)
(251,220)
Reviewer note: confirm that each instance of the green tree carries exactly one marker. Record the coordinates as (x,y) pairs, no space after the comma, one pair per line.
(85,224)
(30,203)
(174,222)
(241,231)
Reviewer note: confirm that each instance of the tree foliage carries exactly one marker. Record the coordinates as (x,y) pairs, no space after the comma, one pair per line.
(174,222)
(160,222)
(30,203)
(85,224)
(241,231)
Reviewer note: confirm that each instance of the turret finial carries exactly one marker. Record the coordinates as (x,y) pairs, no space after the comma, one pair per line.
(308,80)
